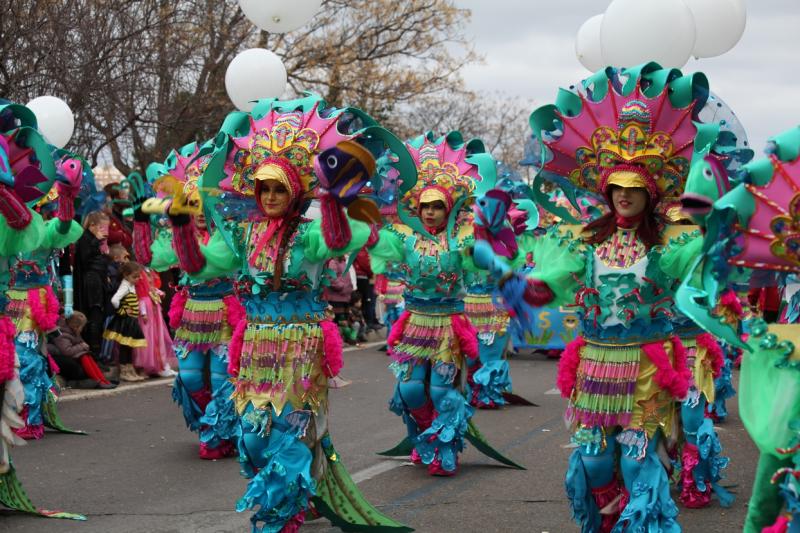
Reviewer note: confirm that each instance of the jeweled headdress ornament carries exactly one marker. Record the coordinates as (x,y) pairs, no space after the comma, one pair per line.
(447,169)
(632,127)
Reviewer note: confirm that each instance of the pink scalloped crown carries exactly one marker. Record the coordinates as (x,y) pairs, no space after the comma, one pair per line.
(294,135)
(625,130)
(440,165)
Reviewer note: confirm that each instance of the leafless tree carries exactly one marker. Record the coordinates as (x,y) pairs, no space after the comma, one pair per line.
(145,76)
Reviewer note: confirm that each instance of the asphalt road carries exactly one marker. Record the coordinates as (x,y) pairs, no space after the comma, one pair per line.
(138,470)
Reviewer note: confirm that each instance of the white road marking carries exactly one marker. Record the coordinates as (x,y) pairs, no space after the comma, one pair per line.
(553,391)
(378,469)
(358,477)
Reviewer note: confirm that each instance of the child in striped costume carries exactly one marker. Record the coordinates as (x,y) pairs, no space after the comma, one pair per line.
(124,327)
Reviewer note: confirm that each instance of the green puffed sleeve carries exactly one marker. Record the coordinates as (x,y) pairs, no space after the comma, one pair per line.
(60,235)
(680,254)
(560,257)
(391,246)
(221,261)
(316,251)
(164,256)
(13,242)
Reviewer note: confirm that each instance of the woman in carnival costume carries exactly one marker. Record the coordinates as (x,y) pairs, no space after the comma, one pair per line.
(431,341)
(502,216)
(717,154)
(755,226)
(203,311)
(32,304)
(388,289)
(283,352)
(27,171)
(630,140)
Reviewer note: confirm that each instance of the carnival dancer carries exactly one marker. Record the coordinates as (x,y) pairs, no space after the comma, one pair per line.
(390,294)
(503,221)
(388,288)
(203,311)
(34,308)
(21,231)
(433,338)
(716,155)
(632,143)
(755,226)
(283,352)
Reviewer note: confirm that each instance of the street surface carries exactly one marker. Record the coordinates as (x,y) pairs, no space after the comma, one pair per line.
(138,471)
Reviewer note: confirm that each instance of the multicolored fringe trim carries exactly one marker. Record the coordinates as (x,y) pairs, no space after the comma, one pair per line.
(43,314)
(485,315)
(280,363)
(601,379)
(434,337)
(605,383)
(203,324)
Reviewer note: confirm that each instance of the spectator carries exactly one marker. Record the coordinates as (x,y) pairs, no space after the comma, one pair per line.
(366,288)
(357,324)
(92,292)
(120,231)
(124,329)
(340,290)
(71,354)
(155,358)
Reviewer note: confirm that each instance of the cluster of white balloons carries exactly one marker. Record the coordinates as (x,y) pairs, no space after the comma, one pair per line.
(54,119)
(258,73)
(667,31)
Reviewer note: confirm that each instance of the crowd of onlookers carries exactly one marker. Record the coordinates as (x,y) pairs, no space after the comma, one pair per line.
(351,296)
(115,330)
(87,345)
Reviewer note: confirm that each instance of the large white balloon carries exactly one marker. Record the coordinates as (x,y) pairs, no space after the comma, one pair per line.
(54,118)
(587,44)
(253,74)
(637,31)
(279,16)
(720,24)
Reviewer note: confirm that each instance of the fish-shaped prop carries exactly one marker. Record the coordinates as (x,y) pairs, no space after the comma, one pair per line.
(342,171)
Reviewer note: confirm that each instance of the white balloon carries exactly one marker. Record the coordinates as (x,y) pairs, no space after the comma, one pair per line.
(638,31)
(54,119)
(253,74)
(587,44)
(720,24)
(279,16)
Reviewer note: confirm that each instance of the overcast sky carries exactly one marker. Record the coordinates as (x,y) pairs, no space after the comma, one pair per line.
(529,51)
